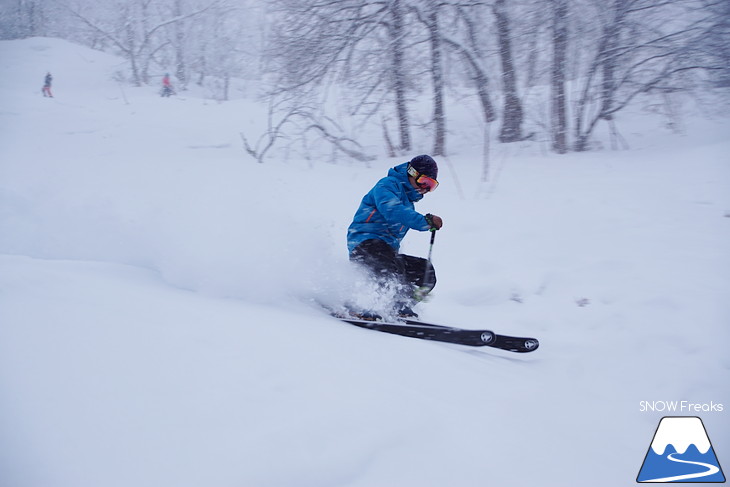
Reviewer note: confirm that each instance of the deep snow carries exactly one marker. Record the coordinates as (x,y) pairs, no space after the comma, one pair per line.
(156,323)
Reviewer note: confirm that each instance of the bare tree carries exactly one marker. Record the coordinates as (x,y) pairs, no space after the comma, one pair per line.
(360,42)
(23,18)
(715,42)
(303,121)
(511,130)
(396,32)
(431,21)
(473,58)
(558,118)
(638,52)
(181,70)
(133,29)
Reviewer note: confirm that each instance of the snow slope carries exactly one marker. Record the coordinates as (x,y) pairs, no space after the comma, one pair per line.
(156,325)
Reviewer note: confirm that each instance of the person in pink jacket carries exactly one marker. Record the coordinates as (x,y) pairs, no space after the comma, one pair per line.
(167,86)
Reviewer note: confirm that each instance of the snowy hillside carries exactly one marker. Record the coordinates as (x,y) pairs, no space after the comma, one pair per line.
(156,288)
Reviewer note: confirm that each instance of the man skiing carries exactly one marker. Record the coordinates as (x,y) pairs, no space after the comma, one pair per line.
(385,215)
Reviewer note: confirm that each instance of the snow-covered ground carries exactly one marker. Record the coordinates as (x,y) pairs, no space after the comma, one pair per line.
(156,287)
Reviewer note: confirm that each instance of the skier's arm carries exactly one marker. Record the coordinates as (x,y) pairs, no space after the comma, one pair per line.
(393,210)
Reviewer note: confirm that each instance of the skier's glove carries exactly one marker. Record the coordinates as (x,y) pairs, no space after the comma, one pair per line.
(434,222)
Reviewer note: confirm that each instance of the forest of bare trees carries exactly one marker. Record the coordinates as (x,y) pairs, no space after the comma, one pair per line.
(589,58)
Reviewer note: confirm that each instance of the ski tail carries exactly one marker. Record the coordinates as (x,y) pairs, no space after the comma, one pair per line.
(458,336)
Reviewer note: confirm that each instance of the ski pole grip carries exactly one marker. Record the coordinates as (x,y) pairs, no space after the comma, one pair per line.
(429,220)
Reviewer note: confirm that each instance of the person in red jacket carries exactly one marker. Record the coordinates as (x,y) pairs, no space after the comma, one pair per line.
(167,86)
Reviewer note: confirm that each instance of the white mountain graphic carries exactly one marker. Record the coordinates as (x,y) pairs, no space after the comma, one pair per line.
(680,432)
(680,452)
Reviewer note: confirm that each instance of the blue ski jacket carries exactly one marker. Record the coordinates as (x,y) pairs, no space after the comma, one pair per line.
(386,212)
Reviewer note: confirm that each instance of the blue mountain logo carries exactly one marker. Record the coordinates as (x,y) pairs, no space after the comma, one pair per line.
(681,452)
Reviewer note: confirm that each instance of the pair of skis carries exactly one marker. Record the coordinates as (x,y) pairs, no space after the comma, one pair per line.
(440,333)
(448,334)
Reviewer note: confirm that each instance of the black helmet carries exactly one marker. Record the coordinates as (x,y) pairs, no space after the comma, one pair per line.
(425,165)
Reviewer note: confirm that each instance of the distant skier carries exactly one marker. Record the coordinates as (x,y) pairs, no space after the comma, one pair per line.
(47,85)
(167,86)
(385,215)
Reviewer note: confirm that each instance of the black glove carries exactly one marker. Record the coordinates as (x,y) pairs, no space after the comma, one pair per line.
(434,222)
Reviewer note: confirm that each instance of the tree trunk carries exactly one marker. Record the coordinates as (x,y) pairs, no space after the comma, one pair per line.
(398,72)
(609,59)
(558,116)
(511,130)
(606,62)
(131,52)
(437,75)
(481,81)
(180,65)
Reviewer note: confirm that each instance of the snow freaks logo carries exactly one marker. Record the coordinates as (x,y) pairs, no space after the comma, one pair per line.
(680,452)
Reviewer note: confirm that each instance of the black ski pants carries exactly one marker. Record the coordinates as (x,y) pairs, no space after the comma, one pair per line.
(387,265)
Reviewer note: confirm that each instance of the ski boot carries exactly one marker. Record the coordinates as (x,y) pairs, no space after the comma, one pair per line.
(404,311)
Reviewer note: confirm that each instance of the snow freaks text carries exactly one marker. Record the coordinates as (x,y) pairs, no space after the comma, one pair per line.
(682,407)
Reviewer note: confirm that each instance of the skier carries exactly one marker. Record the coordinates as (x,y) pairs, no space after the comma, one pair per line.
(166,86)
(385,215)
(47,85)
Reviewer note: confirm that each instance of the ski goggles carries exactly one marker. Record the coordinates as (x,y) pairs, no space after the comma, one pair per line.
(423,181)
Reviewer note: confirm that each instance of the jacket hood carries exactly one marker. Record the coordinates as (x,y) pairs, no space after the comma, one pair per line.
(400,172)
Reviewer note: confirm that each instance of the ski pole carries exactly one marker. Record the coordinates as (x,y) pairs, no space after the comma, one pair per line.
(430,247)
(426,283)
